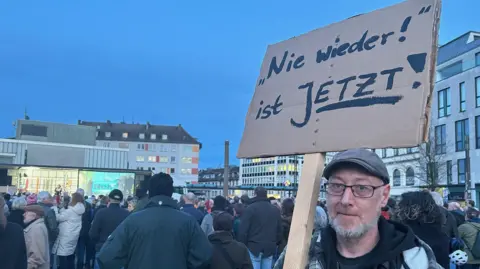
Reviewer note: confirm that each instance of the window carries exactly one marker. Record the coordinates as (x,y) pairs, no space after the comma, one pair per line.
(396,178)
(477,59)
(172,159)
(164,137)
(108,134)
(140,158)
(444,103)
(461,170)
(409,150)
(174,148)
(172,170)
(461,133)
(395,152)
(152,159)
(186,171)
(449,172)
(441,139)
(477,91)
(186,160)
(141,136)
(96,134)
(164,159)
(33,130)
(125,135)
(451,70)
(384,153)
(477,132)
(153,136)
(410,177)
(463,103)
(123,145)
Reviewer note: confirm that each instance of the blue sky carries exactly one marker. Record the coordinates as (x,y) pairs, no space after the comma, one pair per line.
(167,62)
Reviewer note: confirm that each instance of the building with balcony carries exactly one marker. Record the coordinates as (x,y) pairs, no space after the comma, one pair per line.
(215,177)
(155,148)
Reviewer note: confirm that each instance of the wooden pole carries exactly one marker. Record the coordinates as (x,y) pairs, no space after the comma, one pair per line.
(226,168)
(302,223)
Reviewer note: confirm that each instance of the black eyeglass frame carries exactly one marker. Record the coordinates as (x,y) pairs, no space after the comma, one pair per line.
(351,188)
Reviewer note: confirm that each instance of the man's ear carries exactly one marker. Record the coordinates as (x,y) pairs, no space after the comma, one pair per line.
(385,195)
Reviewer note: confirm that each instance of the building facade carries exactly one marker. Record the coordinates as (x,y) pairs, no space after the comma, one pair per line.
(274,171)
(215,176)
(156,148)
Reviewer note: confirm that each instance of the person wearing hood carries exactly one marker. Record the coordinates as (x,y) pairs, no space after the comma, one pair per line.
(36,238)
(287,214)
(70,225)
(457,212)
(261,229)
(220,204)
(159,236)
(419,211)
(357,237)
(227,253)
(468,233)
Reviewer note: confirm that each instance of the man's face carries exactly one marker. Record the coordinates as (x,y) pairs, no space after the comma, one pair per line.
(352,216)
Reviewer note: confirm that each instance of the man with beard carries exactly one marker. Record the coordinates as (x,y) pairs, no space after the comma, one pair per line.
(13,251)
(357,237)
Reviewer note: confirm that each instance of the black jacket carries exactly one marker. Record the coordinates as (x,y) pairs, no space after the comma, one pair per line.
(105,222)
(190,209)
(86,220)
(160,236)
(223,244)
(260,227)
(13,251)
(449,226)
(16,216)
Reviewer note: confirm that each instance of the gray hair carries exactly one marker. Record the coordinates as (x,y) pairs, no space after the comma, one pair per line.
(43,196)
(19,203)
(81,192)
(321,219)
(437,198)
(190,197)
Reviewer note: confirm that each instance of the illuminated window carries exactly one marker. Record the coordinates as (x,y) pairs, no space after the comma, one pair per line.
(141,136)
(164,137)
(153,136)
(152,159)
(140,158)
(125,135)
(186,160)
(163,159)
(108,134)
(186,171)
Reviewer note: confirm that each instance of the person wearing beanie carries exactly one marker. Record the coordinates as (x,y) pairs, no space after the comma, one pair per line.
(32,199)
(36,238)
(227,253)
(159,236)
(107,220)
(220,204)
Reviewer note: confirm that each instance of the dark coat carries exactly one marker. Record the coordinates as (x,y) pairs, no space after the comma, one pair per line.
(237,252)
(159,236)
(286,223)
(449,226)
(260,227)
(105,222)
(191,210)
(51,223)
(87,218)
(13,251)
(16,216)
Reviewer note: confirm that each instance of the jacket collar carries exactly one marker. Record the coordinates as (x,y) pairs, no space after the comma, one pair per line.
(258,199)
(33,223)
(161,200)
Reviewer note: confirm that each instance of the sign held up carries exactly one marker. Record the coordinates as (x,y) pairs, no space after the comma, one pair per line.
(362,82)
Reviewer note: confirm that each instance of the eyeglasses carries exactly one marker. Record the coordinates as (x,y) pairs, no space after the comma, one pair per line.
(360,191)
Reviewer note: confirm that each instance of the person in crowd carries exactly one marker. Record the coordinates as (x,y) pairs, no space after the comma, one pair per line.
(468,233)
(36,238)
(83,255)
(102,204)
(142,198)
(136,243)
(245,199)
(260,229)
(208,206)
(32,199)
(13,251)
(449,226)
(8,202)
(201,207)
(277,204)
(471,203)
(457,212)
(16,214)
(386,212)
(357,237)
(107,220)
(70,225)
(227,253)
(419,211)
(132,205)
(236,200)
(45,200)
(238,212)
(220,204)
(321,220)
(287,215)
(189,208)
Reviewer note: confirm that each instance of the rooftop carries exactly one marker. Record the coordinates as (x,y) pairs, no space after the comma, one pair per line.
(458,46)
(141,132)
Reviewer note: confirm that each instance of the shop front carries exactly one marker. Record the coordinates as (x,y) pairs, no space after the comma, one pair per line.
(36,179)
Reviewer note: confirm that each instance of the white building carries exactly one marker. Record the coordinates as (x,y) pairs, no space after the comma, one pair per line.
(157,148)
(269,172)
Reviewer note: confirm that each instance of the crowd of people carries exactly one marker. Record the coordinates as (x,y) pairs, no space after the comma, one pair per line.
(358,227)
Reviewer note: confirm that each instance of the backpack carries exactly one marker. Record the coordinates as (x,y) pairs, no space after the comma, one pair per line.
(227,256)
(475,248)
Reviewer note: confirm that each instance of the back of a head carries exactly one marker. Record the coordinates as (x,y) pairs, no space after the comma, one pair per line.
(140,193)
(472,213)
(418,206)
(223,222)
(81,192)
(260,192)
(160,184)
(7,197)
(244,198)
(287,207)
(236,199)
(190,197)
(220,203)
(43,196)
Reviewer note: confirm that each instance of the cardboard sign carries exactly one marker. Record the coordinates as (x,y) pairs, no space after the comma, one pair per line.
(362,82)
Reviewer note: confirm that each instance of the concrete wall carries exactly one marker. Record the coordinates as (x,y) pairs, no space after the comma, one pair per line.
(56,132)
